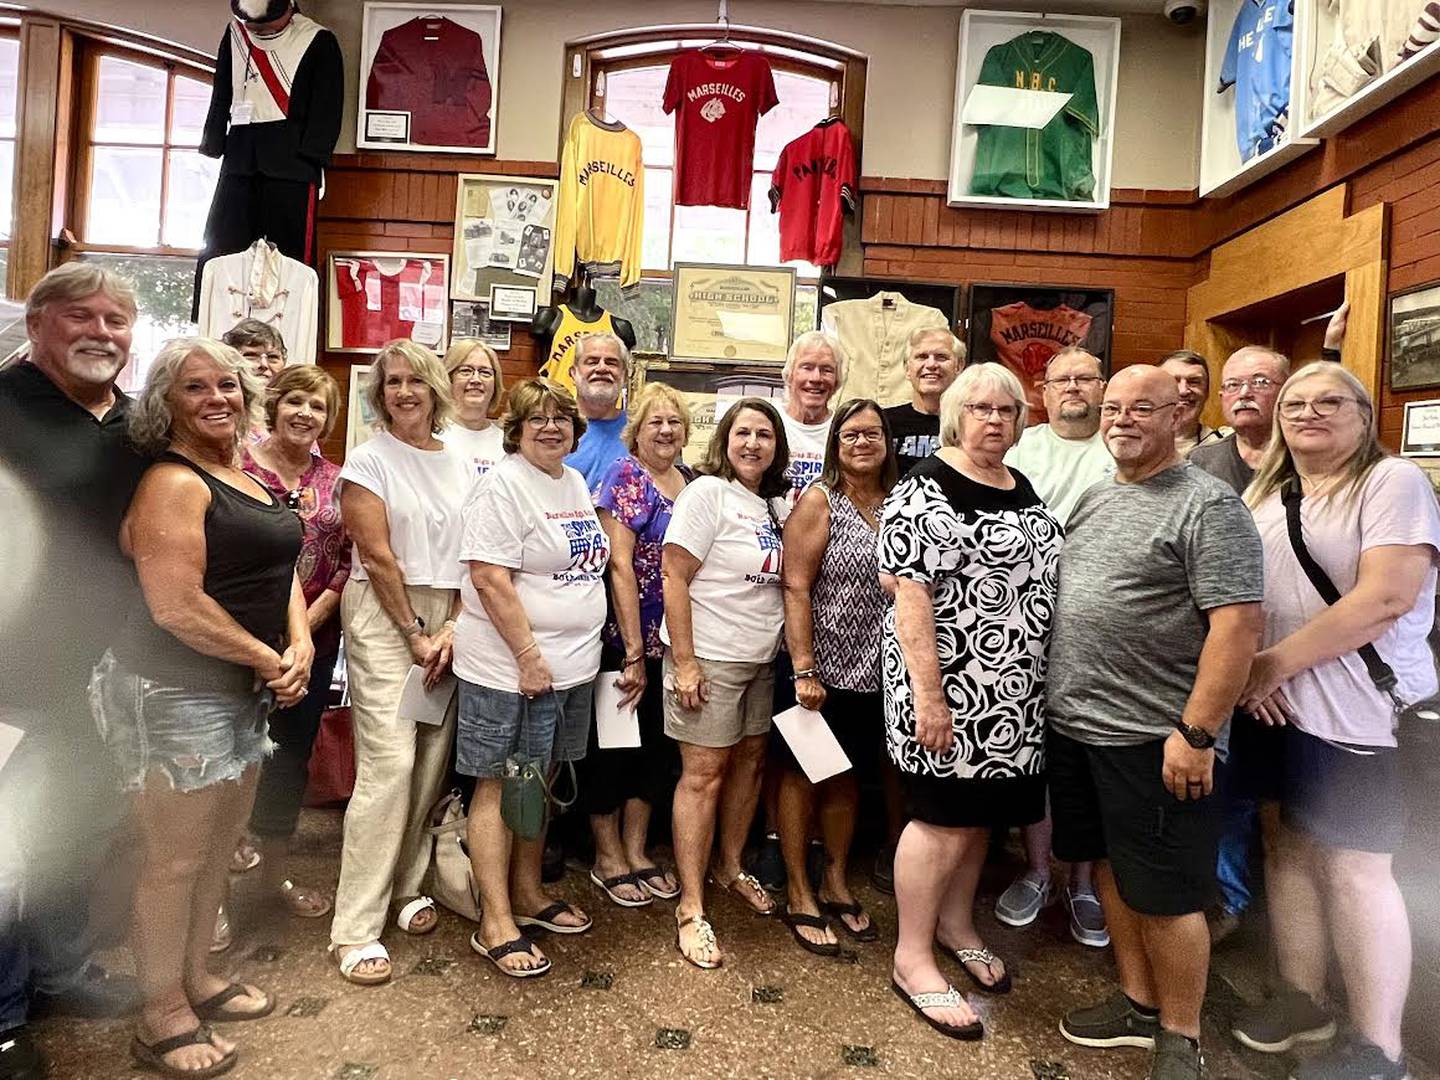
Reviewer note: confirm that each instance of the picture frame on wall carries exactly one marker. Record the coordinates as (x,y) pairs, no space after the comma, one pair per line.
(1413,338)
(359,416)
(1022,326)
(471,319)
(729,314)
(512,303)
(376,296)
(1421,434)
(504,235)
(943,296)
(429,77)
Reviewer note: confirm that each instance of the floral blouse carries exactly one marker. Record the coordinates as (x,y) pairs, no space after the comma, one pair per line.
(630,496)
(324,561)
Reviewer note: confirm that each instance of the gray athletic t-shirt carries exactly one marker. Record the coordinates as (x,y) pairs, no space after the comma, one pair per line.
(1142,563)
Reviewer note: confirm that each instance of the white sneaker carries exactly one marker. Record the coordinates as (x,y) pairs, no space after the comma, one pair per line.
(1021,903)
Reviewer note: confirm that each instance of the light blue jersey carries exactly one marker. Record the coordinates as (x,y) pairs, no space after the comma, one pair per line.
(1257,64)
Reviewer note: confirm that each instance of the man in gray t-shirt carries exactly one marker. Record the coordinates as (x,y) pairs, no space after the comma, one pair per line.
(1156,623)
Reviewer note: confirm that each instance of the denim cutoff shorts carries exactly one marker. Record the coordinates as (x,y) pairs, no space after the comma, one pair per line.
(494,725)
(195,737)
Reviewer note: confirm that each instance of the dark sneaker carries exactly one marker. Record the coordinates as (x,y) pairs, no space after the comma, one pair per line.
(768,865)
(20,1058)
(1114,1022)
(1352,1059)
(96,995)
(1087,919)
(1020,904)
(1282,1021)
(1176,1058)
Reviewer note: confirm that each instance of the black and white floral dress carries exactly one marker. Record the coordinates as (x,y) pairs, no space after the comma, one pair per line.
(990,556)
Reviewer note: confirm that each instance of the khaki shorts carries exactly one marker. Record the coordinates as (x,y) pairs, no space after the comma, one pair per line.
(739,706)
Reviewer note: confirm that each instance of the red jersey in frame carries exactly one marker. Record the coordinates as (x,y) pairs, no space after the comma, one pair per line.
(1026,338)
(717,101)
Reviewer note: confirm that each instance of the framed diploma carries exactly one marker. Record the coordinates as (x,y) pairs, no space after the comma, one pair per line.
(1421,435)
(742,314)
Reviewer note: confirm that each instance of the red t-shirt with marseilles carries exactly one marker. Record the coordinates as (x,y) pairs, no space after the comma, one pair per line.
(717,101)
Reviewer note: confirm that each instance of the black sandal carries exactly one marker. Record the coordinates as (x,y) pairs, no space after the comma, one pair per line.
(152,1055)
(545,920)
(213,1008)
(982,955)
(499,952)
(948,998)
(837,910)
(648,875)
(811,922)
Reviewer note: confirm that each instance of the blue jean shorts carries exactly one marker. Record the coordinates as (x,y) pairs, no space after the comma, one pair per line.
(495,725)
(195,737)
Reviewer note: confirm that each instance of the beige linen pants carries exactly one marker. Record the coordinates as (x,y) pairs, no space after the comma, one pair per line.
(400,766)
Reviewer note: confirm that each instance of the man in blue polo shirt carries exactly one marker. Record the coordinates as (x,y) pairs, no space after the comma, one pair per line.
(1257,64)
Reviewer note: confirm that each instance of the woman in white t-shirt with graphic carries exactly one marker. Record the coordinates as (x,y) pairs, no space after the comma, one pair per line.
(527,650)
(1371,523)
(723,616)
(400,496)
(478,386)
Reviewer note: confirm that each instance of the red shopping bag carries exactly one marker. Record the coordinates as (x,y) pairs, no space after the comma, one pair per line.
(332,761)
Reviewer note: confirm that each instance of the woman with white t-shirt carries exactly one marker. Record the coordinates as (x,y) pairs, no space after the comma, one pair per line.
(400,496)
(527,650)
(478,386)
(723,616)
(1370,522)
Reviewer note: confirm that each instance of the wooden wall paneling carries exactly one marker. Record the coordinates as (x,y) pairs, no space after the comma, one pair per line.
(38,132)
(1363,352)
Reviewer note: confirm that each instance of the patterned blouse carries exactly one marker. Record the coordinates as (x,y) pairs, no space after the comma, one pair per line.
(324,561)
(629,494)
(847,601)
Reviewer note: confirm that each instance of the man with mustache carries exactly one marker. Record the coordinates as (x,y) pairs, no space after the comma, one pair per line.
(1192,378)
(936,359)
(600,372)
(67,472)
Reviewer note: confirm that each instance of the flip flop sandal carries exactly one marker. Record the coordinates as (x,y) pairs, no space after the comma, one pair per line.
(984,956)
(213,1008)
(706,934)
(152,1055)
(743,886)
(244,859)
(353,957)
(405,918)
(521,944)
(836,910)
(294,895)
(545,920)
(810,922)
(948,998)
(608,886)
(648,875)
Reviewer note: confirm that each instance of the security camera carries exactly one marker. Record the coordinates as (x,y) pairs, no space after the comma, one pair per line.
(1184,12)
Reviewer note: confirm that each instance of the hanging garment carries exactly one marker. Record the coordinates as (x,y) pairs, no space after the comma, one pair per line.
(1424,31)
(1053,162)
(260,283)
(568,333)
(1025,339)
(1370,38)
(875,335)
(717,101)
(812,187)
(600,219)
(434,69)
(1257,64)
(386,298)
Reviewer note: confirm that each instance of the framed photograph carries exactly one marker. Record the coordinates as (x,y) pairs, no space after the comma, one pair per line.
(1414,338)
(1421,434)
(359,417)
(504,234)
(732,313)
(429,77)
(471,319)
(709,392)
(375,296)
(1022,326)
(512,303)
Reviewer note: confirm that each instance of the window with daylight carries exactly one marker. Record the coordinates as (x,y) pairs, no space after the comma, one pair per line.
(9,101)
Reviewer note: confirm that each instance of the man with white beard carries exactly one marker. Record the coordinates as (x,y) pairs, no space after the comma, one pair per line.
(65,461)
(600,371)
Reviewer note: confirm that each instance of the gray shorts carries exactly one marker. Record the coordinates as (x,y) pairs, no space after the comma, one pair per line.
(195,737)
(740,703)
(495,725)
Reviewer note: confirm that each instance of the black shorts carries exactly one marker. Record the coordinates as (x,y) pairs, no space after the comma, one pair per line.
(1342,799)
(855,717)
(1110,802)
(1255,768)
(953,803)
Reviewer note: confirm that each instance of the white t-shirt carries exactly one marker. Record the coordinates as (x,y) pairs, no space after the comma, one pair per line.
(736,606)
(482,448)
(807,456)
(544,529)
(422,491)
(1060,469)
(1336,699)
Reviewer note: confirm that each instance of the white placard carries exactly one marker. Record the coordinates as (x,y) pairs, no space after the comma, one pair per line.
(1008,107)
(617,727)
(812,742)
(421,706)
(387,126)
(10,737)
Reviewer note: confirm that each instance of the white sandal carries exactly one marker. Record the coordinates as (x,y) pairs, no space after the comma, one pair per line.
(352,956)
(406,916)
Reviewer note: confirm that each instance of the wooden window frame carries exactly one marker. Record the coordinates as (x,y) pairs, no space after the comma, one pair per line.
(10,31)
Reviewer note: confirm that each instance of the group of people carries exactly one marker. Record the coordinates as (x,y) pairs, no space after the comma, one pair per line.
(1072,628)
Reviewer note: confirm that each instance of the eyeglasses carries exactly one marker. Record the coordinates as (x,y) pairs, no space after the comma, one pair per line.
(981,411)
(1255,382)
(540,423)
(1294,408)
(466,372)
(1081,381)
(868,435)
(1141,410)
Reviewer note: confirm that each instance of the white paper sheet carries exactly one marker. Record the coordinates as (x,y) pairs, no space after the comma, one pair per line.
(10,737)
(812,742)
(1006,106)
(616,728)
(752,326)
(422,706)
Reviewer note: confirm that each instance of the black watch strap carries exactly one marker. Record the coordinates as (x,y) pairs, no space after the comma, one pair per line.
(1197,737)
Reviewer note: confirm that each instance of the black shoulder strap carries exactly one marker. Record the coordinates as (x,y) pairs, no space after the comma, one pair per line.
(1380,672)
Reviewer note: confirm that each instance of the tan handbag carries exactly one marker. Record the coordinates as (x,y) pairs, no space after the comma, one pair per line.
(452,883)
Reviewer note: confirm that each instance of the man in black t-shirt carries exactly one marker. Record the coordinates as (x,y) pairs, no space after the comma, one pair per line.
(936,357)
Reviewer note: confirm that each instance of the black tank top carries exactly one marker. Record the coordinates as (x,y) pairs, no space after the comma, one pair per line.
(250,552)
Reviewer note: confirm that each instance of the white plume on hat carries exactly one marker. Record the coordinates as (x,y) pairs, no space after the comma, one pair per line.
(260,10)
(253,9)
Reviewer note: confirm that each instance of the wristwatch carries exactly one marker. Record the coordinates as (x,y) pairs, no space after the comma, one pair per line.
(1197,737)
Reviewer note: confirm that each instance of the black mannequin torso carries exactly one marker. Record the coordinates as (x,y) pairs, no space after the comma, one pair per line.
(584,306)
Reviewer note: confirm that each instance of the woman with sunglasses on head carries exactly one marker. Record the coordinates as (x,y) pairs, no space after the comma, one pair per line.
(1370,522)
